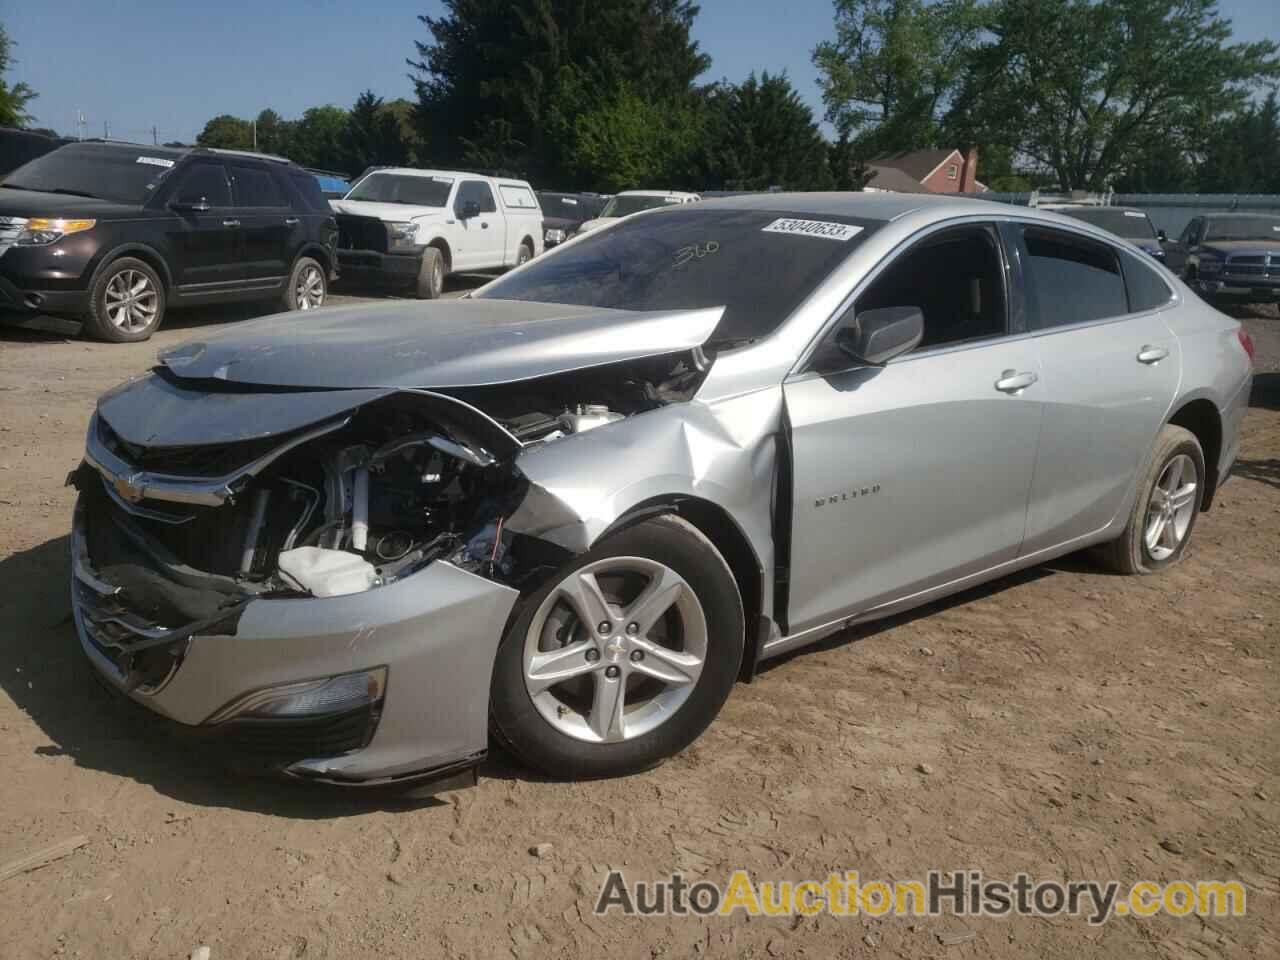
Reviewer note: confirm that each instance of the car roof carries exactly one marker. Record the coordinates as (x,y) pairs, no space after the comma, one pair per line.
(450,174)
(656,193)
(877,205)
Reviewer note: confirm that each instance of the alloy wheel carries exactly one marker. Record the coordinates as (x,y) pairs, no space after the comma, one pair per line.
(1171,507)
(615,649)
(308,292)
(132,301)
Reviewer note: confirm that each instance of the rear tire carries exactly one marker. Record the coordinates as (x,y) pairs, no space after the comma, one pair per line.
(308,286)
(635,676)
(1165,510)
(430,282)
(127,302)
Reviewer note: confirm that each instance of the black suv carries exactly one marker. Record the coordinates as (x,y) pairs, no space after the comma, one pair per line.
(111,234)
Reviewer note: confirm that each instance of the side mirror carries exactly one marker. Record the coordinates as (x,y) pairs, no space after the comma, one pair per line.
(877,336)
(470,209)
(1162,236)
(191,206)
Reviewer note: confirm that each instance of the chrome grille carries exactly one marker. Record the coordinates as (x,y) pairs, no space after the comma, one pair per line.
(10,227)
(1253,266)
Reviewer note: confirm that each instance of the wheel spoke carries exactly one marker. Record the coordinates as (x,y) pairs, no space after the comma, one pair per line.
(1184,496)
(556,666)
(582,592)
(1169,535)
(607,706)
(663,591)
(1155,532)
(670,666)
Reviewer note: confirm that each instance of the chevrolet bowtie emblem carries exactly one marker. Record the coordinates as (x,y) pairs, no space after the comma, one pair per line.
(128,488)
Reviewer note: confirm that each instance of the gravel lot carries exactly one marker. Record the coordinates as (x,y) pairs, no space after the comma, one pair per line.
(1062,722)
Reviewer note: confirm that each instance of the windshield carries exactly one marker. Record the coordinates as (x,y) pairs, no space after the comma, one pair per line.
(621,206)
(403,188)
(1242,228)
(1130,224)
(758,264)
(98,170)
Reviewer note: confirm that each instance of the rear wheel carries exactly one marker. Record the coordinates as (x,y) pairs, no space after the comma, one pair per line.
(430,283)
(1166,508)
(308,286)
(127,302)
(624,657)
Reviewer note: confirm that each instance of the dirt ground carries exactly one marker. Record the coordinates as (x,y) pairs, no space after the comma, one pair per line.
(1075,725)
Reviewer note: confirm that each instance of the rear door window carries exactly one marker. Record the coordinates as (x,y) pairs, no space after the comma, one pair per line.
(1147,288)
(1071,279)
(255,187)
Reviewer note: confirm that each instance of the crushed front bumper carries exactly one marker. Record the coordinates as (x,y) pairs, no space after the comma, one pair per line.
(436,632)
(372,266)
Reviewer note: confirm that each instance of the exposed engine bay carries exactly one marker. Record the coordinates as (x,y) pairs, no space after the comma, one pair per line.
(351,505)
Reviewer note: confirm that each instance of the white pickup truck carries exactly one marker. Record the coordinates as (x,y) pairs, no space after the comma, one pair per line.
(417,227)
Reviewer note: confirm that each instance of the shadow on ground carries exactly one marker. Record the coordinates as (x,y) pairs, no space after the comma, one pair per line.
(44,673)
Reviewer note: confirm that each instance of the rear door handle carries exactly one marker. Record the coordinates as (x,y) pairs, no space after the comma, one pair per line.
(290,221)
(1149,354)
(231,223)
(1011,381)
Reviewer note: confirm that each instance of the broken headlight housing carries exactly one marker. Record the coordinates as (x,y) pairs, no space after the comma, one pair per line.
(401,237)
(310,698)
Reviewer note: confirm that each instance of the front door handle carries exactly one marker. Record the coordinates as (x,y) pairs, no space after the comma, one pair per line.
(290,221)
(1011,381)
(231,223)
(484,226)
(1149,354)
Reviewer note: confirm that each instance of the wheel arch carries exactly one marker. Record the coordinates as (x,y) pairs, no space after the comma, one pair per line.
(1202,418)
(317,252)
(139,251)
(441,244)
(715,523)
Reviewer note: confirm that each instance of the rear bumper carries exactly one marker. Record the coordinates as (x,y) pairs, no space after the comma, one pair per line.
(371,265)
(436,633)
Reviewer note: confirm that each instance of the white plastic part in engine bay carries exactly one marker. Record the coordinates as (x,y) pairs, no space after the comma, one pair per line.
(326,573)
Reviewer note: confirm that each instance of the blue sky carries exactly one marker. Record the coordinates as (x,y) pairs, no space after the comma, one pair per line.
(175,63)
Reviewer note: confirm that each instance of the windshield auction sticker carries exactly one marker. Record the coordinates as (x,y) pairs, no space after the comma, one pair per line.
(156,161)
(940,893)
(813,228)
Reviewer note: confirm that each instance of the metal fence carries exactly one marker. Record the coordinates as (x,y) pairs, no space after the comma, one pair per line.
(1169,212)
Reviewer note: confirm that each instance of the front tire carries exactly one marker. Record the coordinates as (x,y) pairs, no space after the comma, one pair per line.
(127,302)
(308,286)
(624,657)
(430,283)
(1166,508)
(524,254)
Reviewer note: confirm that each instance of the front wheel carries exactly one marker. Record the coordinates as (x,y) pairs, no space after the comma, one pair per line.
(624,657)
(308,286)
(524,254)
(127,302)
(1166,508)
(430,283)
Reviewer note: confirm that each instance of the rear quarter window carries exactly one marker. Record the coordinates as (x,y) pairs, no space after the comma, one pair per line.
(308,189)
(1147,289)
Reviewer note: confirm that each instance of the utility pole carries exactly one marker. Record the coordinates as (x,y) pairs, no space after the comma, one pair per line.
(80,124)
(255,134)
(106,130)
(155,135)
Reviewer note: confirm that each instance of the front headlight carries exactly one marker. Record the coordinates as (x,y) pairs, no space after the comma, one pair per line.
(554,236)
(42,230)
(401,236)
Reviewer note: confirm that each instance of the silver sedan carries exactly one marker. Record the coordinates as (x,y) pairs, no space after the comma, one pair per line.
(572,509)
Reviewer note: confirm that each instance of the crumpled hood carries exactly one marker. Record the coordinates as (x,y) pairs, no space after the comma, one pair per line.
(435,345)
(388,212)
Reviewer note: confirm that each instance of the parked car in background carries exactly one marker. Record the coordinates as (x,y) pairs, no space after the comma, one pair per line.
(577,506)
(334,186)
(416,227)
(634,201)
(564,213)
(114,234)
(1128,222)
(1231,256)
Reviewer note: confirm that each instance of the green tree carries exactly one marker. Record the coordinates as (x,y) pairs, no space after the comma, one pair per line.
(630,142)
(1086,88)
(1243,154)
(892,68)
(516,80)
(226,132)
(760,134)
(375,134)
(847,164)
(273,132)
(317,139)
(13,99)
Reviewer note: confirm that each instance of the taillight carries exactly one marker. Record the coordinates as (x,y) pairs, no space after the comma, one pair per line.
(1246,342)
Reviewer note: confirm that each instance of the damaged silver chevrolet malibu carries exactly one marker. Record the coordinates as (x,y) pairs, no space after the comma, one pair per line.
(573,508)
